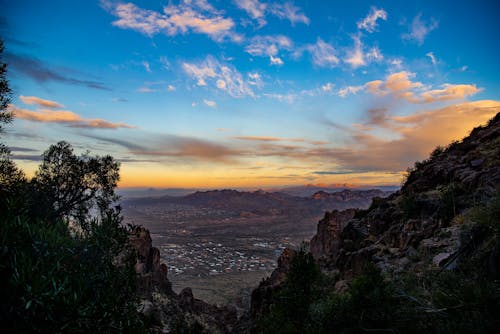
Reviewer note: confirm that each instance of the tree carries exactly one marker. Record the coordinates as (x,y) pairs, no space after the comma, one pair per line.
(11,178)
(74,187)
(5,92)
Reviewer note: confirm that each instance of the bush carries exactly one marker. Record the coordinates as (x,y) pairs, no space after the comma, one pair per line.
(56,282)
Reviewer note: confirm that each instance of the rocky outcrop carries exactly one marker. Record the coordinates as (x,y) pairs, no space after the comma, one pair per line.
(262,295)
(327,241)
(167,311)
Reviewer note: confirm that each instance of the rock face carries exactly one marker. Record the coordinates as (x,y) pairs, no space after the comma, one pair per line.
(420,227)
(167,311)
(327,241)
(261,296)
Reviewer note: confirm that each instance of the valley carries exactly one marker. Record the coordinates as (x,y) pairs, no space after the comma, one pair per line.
(222,243)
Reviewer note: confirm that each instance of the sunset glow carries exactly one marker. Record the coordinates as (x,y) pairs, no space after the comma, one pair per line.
(250,93)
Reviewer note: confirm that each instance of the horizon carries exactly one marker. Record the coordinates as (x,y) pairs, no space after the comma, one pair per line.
(249,94)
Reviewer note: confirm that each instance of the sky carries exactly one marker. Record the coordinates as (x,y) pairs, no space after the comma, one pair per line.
(249,93)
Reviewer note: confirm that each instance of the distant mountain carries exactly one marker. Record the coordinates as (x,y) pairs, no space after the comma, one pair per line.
(267,203)
(310,189)
(152,192)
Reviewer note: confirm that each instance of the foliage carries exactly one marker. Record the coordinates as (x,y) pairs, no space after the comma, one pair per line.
(70,186)
(289,313)
(434,302)
(5,92)
(56,282)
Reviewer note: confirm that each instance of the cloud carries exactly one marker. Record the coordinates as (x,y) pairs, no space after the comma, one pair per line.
(432,57)
(211,104)
(449,92)
(286,11)
(269,46)
(343,92)
(288,98)
(189,16)
(171,88)
(418,30)
(369,23)
(41,73)
(224,76)
(65,117)
(146,90)
(355,57)
(418,134)
(146,65)
(269,139)
(327,87)
(255,9)
(255,79)
(401,86)
(323,54)
(289,11)
(40,102)
(178,149)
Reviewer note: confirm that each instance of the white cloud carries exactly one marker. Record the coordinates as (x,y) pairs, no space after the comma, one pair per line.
(276,61)
(165,62)
(369,23)
(288,98)
(397,63)
(374,54)
(146,65)
(171,88)
(343,92)
(327,87)
(211,104)
(286,11)
(323,54)
(189,16)
(255,79)
(432,57)
(269,46)
(419,29)
(289,12)
(355,57)
(255,9)
(223,76)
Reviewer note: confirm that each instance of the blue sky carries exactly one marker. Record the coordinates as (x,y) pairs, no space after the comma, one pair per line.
(247,92)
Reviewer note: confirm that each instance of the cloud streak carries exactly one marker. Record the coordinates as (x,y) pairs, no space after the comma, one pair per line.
(41,73)
(65,117)
(40,102)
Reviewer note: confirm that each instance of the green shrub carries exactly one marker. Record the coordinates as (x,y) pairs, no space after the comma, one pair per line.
(56,282)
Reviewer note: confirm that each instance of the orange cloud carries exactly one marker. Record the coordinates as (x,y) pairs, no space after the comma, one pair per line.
(418,135)
(401,86)
(40,102)
(64,117)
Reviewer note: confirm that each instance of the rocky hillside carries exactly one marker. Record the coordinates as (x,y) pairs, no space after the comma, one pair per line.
(166,311)
(444,221)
